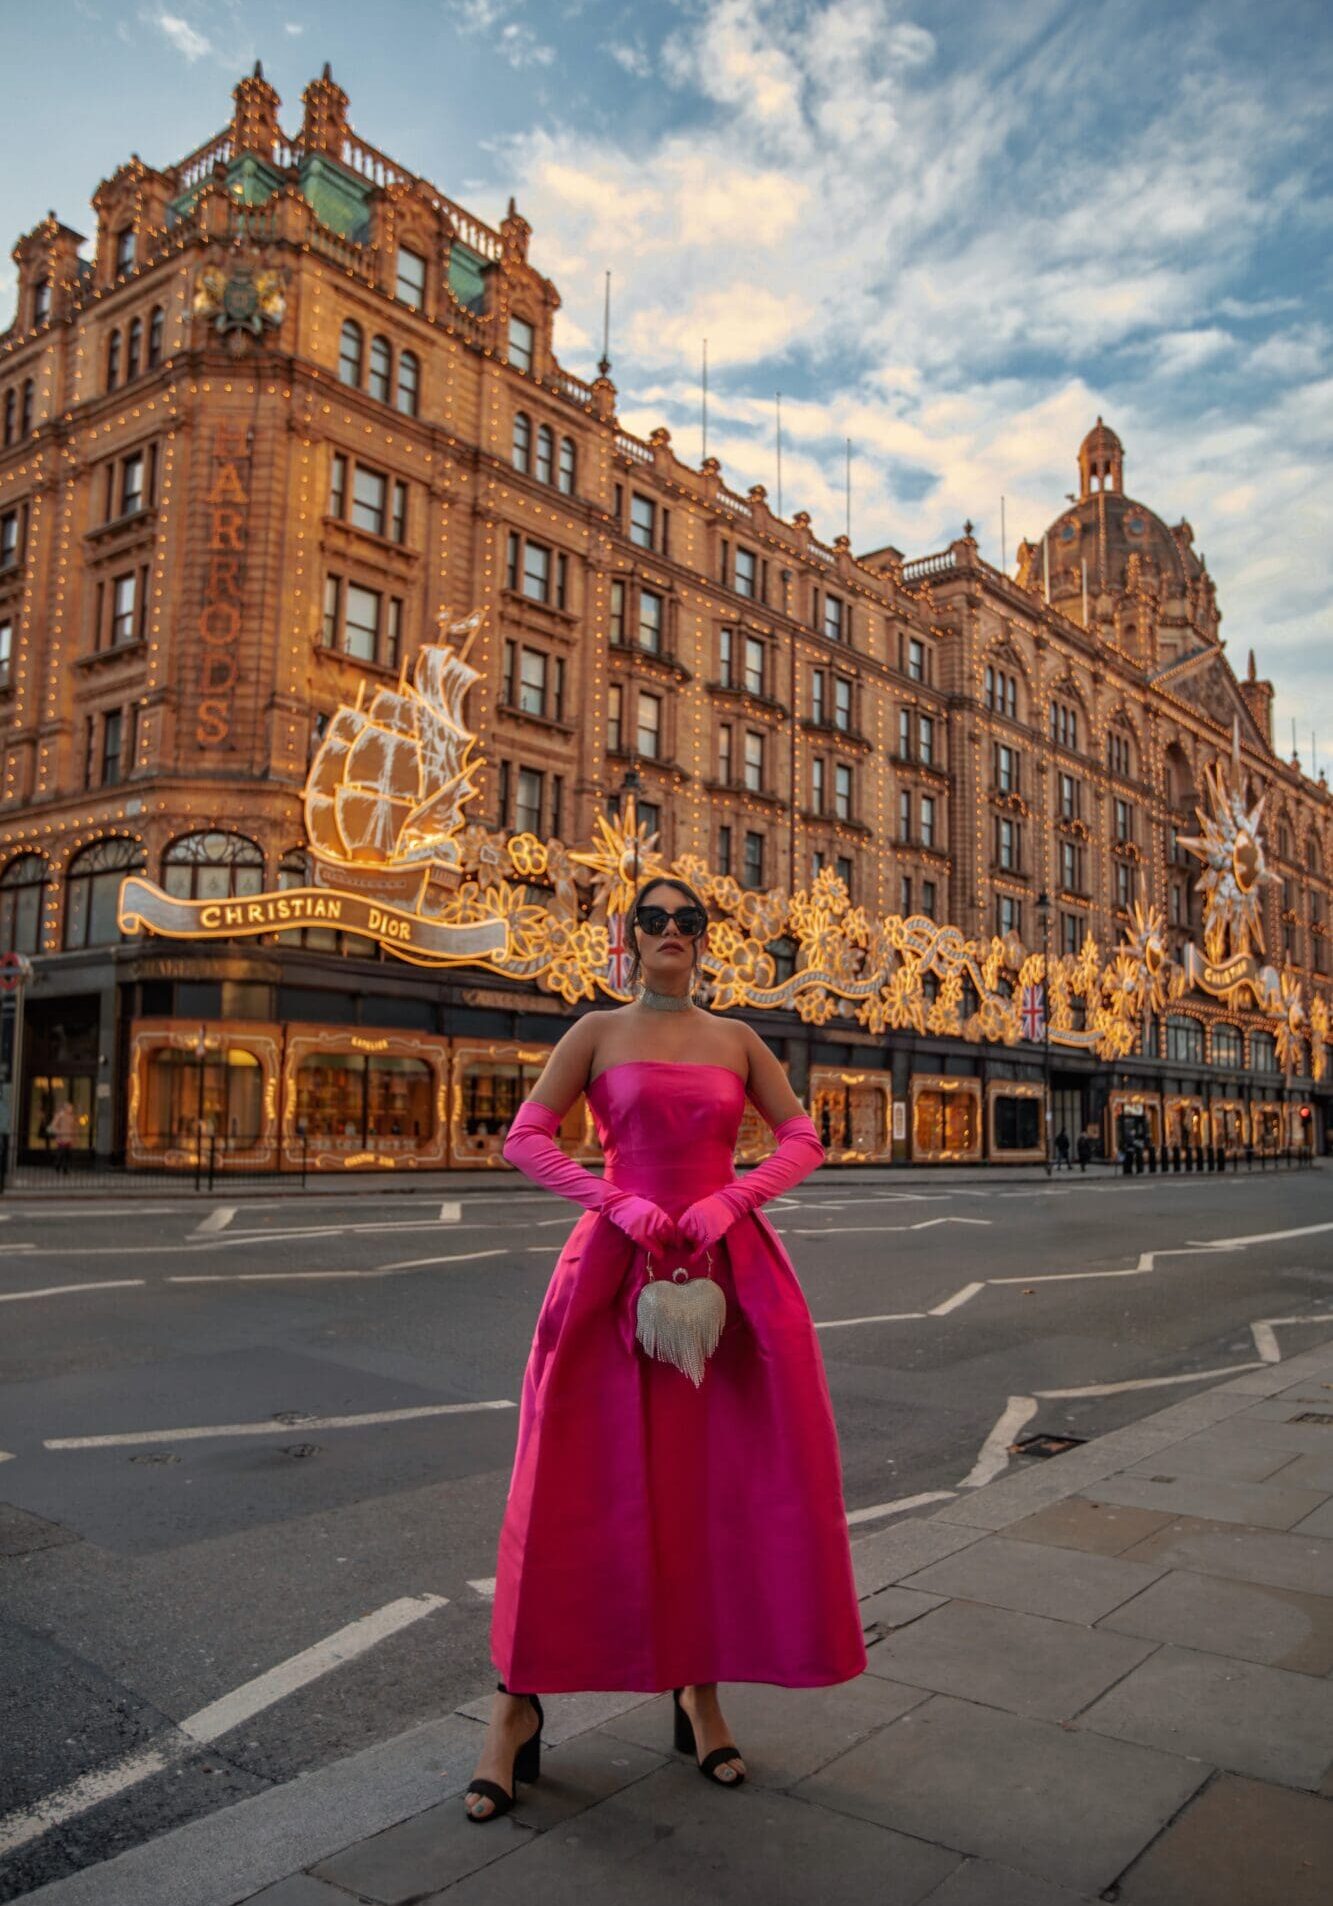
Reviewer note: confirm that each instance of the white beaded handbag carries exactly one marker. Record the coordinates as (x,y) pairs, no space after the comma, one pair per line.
(680,1319)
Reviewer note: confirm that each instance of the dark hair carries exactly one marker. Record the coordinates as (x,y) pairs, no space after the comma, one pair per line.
(682,887)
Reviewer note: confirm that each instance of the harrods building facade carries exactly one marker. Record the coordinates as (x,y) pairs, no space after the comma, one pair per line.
(292,407)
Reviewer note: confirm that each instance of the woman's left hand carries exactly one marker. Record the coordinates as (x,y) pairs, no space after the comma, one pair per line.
(704,1222)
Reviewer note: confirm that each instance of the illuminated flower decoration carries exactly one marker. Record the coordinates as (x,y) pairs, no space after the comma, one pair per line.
(577,953)
(524,921)
(1289,1033)
(483,853)
(1233,862)
(943,1016)
(816,1005)
(564,876)
(625,850)
(528,855)
(1122,984)
(905,999)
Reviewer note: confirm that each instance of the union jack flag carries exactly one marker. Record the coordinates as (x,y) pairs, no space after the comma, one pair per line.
(617,951)
(1033,1012)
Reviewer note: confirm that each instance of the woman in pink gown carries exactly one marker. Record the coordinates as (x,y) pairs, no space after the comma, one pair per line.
(657,1534)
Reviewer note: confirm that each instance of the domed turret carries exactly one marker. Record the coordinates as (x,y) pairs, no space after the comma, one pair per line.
(1114,566)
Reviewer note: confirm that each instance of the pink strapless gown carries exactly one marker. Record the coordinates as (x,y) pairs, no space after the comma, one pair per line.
(657,1535)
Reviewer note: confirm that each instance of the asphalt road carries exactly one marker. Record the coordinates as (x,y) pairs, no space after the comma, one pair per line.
(164,1578)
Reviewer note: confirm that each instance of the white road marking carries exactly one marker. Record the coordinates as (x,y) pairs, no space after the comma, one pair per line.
(1265,1237)
(485,1587)
(994,1453)
(6,1455)
(13,1250)
(960,1297)
(63,1290)
(890,1317)
(243,1703)
(216,1220)
(1153,1383)
(450,1211)
(927,1223)
(201,1433)
(903,1503)
(218,1718)
(879,1230)
(459,1257)
(1265,1342)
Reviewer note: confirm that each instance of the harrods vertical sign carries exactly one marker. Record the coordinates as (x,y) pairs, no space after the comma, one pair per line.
(221,612)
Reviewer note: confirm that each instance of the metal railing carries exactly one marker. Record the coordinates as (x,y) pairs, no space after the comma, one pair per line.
(213,1162)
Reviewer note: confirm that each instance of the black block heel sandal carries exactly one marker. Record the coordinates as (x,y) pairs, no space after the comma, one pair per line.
(686,1743)
(527,1767)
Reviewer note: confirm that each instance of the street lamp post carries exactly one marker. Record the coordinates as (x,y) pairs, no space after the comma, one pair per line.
(1044,919)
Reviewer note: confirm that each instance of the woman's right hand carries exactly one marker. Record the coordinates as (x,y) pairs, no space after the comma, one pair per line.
(641,1219)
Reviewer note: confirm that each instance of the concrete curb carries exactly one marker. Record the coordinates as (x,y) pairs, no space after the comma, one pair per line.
(228,1856)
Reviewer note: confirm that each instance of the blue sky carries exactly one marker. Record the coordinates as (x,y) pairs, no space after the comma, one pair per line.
(953,232)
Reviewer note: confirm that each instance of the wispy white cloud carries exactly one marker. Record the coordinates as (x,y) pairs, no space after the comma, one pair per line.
(185,38)
(294,29)
(634,59)
(498,21)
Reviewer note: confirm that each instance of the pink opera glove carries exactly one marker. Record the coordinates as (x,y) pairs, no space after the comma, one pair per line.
(799,1152)
(530,1147)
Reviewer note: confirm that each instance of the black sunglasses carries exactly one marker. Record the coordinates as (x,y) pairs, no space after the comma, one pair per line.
(690,921)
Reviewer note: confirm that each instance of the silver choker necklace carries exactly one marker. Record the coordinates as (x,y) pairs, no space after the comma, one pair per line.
(665,1002)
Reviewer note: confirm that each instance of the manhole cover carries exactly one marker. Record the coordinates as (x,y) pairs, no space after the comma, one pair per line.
(1044,1445)
(1312,1416)
(156,1456)
(300,1450)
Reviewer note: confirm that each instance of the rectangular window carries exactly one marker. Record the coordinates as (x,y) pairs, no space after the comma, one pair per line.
(393,633)
(754,761)
(557,802)
(410,287)
(650,725)
(754,861)
(833,618)
(1008,915)
(400,512)
(111,733)
(1184,1040)
(131,484)
(511,560)
(369,491)
(744,579)
(361,631)
(724,849)
(754,665)
(617,612)
(9,539)
(905,814)
(1006,769)
(842,867)
(338,485)
(1071,933)
(725,765)
(532,682)
(1178,915)
(650,621)
(905,733)
(332,592)
(905,895)
(726,653)
(925,738)
(124,591)
(1006,852)
(528,802)
(1124,884)
(927,820)
(642,520)
(1068,798)
(6,652)
(1124,820)
(507,674)
(817,693)
(521,339)
(842,791)
(928,898)
(561,580)
(817,784)
(615,707)
(842,703)
(1226,1046)
(536,572)
(1069,866)
(124,250)
(916,660)
(558,710)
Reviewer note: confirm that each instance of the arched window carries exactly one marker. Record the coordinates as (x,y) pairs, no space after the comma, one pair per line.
(380,381)
(522,442)
(1312,854)
(11,414)
(134,349)
(21,888)
(212,867)
(546,454)
(156,326)
(91,889)
(409,382)
(568,455)
(113,360)
(25,421)
(349,355)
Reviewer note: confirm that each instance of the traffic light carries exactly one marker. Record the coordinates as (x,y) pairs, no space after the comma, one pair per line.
(1305,1115)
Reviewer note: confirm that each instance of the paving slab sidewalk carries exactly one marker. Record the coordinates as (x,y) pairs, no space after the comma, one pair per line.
(1105,1677)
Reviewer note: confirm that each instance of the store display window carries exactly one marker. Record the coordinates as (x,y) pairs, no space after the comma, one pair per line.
(1016,1125)
(945,1123)
(215,1095)
(354,1099)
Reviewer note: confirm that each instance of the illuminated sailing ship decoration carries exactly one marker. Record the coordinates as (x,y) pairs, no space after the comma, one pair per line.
(395,859)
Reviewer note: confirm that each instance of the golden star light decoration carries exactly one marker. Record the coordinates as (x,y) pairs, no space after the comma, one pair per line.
(1234,868)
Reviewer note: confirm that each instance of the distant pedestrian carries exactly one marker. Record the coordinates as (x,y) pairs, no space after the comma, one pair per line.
(1084,1150)
(62,1132)
(1062,1150)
